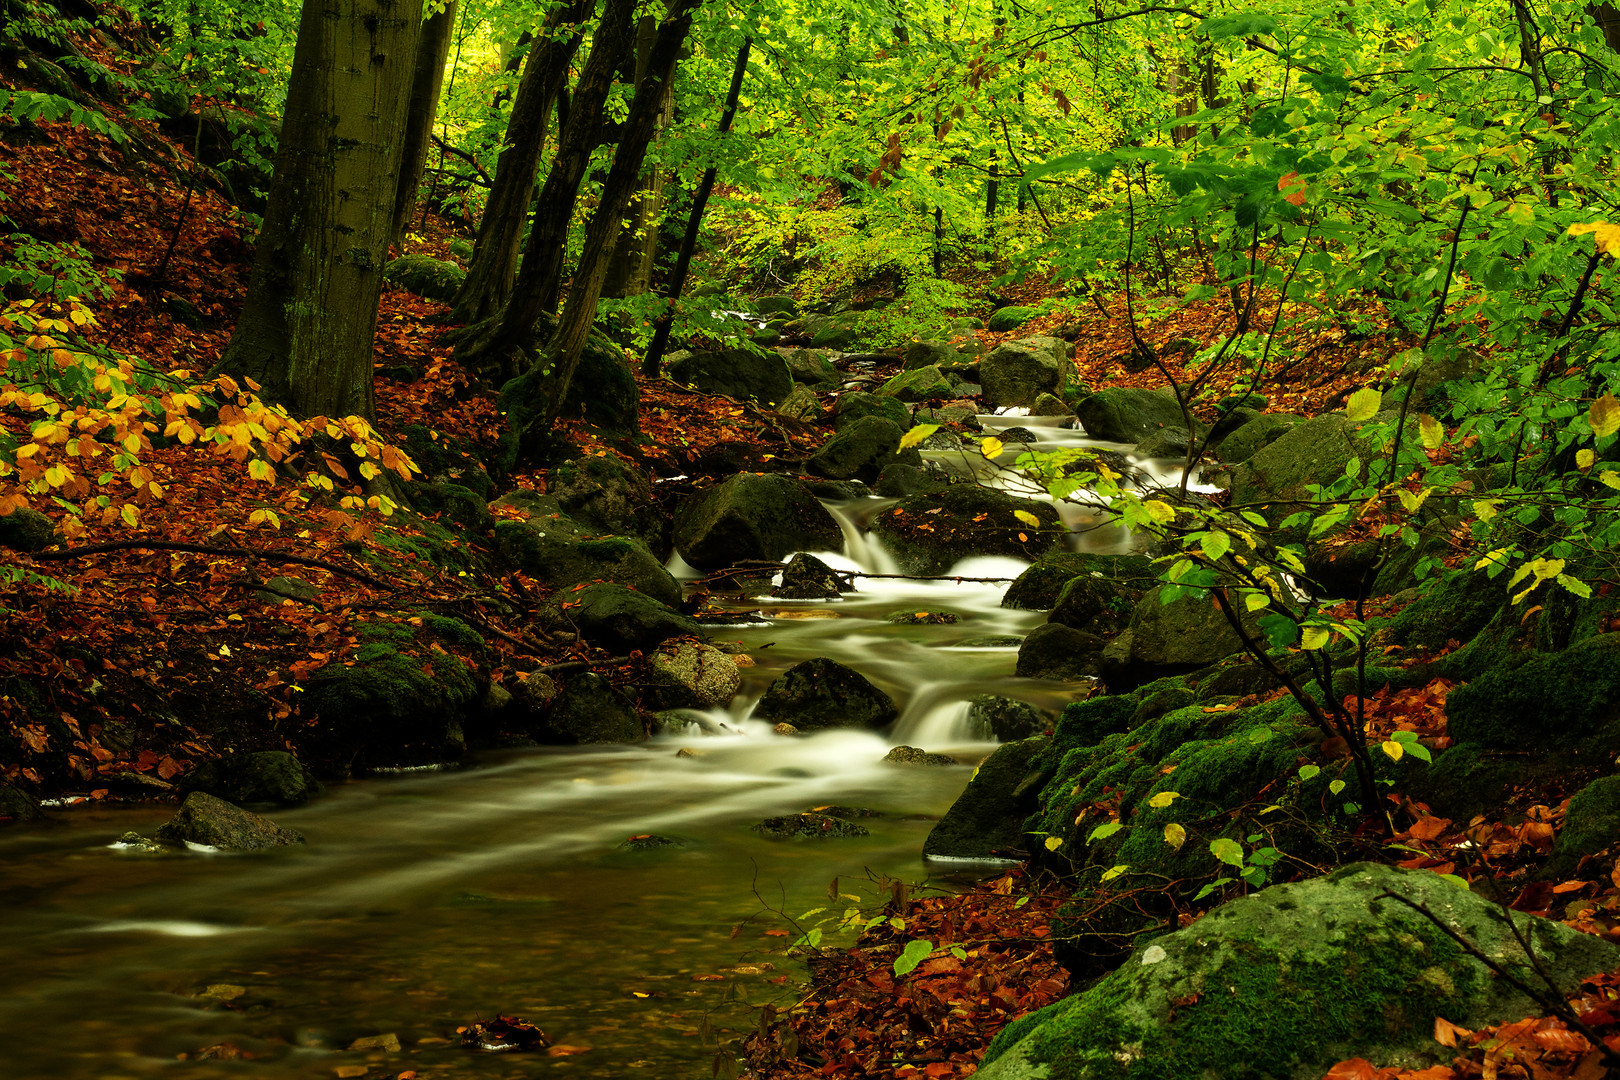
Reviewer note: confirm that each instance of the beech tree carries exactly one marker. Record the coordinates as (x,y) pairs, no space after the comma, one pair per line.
(307,326)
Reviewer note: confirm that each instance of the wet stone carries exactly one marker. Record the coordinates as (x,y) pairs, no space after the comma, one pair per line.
(911,755)
(808,827)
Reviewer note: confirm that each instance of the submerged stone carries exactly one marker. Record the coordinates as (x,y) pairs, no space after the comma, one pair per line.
(809,827)
(204,819)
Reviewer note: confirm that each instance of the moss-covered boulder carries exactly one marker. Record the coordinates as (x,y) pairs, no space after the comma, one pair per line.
(266,776)
(748,516)
(1005,719)
(921,354)
(1316,451)
(1055,651)
(1012,317)
(604,494)
(858,403)
(1591,825)
(603,391)
(687,674)
(809,826)
(404,694)
(808,578)
(618,619)
(1243,442)
(1015,373)
(1551,701)
(823,693)
(427,277)
(928,534)
(986,820)
(557,551)
(17,805)
(1040,587)
(446,459)
(1096,603)
(26,530)
(1169,639)
(1291,980)
(859,451)
(743,374)
(591,710)
(459,506)
(841,331)
(919,384)
(1128,415)
(203,819)
(811,367)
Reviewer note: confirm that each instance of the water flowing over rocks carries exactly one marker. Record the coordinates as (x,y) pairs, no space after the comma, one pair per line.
(823,693)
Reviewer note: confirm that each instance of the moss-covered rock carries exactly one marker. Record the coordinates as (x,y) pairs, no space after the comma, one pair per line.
(860,450)
(809,826)
(558,552)
(811,367)
(433,279)
(1243,442)
(1016,373)
(928,534)
(1551,701)
(858,403)
(1012,317)
(986,820)
(687,674)
(203,819)
(591,710)
(752,517)
(618,619)
(1291,980)
(823,693)
(1591,825)
(1005,719)
(402,696)
(267,776)
(605,495)
(1128,415)
(919,384)
(1039,587)
(1169,639)
(1095,603)
(26,530)
(460,506)
(445,459)
(743,374)
(1055,651)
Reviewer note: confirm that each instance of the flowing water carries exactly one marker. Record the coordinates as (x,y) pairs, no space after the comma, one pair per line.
(427,901)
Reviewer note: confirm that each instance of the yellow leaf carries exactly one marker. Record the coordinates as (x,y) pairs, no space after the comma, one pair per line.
(1606,235)
(917,435)
(1393,749)
(1161,512)
(369,471)
(260,469)
(1053,843)
(1609,477)
(1584,459)
(130,514)
(991,448)
(1256,600)
(1175,835)
(1027,518)
(1163,799)
(1431,431)
(1363,405)
(1314,637)
(1604,416)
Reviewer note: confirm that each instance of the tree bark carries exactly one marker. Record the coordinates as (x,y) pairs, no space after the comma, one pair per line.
(623,178)
(652,362)
(541,270)
(500,230)
(630,267)
(427,80)
(306,331)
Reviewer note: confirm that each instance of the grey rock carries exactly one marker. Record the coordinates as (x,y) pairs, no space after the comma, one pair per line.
(919,384)
(618,619)
(911,755)
(858,403)
(752,517)
(592,710)
(808,578)
(1018,372)
(921,354)
(26,530)
(1126,414)
(801,404)
(686,674)
(282,587)
(812,367)
(1006,719)
(928,534)
(860,450)
(1055,651)
(736,373)
(986,821)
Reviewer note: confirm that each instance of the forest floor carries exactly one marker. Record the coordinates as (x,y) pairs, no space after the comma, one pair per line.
(169,618)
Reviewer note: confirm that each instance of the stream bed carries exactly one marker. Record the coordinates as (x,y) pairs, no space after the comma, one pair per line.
(427,901)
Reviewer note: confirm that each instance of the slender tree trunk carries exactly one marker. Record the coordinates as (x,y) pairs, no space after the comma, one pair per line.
(1607,16)
(630,268)
(426,83)
(652,362)
(307,328)
(500,231)
(541,270)
(637,133)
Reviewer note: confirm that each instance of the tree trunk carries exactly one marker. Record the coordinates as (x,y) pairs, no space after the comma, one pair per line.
(307,328)
(630,268)
(500,231)
(541,271)
(637,133)
(426,83)
(1607,16)
(652,362)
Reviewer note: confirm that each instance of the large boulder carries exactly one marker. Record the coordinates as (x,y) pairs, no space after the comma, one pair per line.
(1548,702)
(1012,317)
(1005,719)
(1096,603)
(427,277)
(736,373)
(618,619)
(808,578)
(813,367)
(1055,651)
(203,819)
(1317,451)
(1244,442)
(592,710)
(940,354)
(823,693)
(689,675)
(859,451)
(1171,639)
(1039,587)
(928,534)
(919,384)
(986,821)
(1018,372)
(842,331)
(1128,415)
(607,496)
(556,550)
(1591,825)
(858,403)
(752,517)
(268,776)
(1291,980)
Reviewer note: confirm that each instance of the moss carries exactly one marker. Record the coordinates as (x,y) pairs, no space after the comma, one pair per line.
(454,632)
(1456,607)
(607,548)
(1550,701)
(1085,723)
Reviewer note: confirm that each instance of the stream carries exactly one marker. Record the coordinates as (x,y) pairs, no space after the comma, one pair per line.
(427,901)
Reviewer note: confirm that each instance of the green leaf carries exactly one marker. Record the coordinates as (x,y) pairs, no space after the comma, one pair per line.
(1227,850)
(1576,586)
(1104,831)
(917,435)
(1309,772)
(1215,545)
(1257,600)
(1114,871)
(1336,786)
(1363,405)
(1211,887)
(1314,637)
(1431,431)
(915,953)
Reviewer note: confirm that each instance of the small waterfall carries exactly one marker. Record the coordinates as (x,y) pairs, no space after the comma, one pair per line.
(944,723)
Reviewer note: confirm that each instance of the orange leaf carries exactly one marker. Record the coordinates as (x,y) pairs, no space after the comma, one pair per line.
(1446,1033)
(1428,828)
(1354,1069)
(564,1050)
